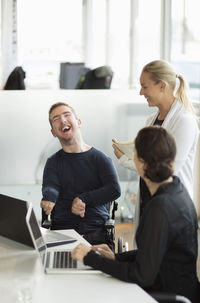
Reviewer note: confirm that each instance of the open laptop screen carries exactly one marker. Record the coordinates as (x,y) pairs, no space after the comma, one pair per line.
(35,229)
(13,220)
(35,232)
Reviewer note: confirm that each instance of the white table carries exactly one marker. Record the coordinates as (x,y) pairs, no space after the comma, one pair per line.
(18,261)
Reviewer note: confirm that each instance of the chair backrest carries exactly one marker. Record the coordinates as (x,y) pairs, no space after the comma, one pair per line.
(16,79)
(99,78)
(70,73)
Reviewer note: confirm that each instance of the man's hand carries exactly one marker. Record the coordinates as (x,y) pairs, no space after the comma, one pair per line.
(78,207)
(118,153)
(47,206)
(104,250)
(80,251)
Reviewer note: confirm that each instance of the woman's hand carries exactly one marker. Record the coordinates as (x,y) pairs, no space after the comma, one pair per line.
(104,250)
(118,153)
(80,251)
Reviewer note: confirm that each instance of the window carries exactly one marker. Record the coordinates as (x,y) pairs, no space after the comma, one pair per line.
(185,43)
(119,26)
(148,27)
(124,34)
(49,32)
(97,30)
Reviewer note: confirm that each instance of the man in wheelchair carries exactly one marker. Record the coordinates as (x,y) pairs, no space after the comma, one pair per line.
(79,181)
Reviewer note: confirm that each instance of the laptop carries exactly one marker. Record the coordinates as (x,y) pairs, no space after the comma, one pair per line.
(13,224)
(54,261)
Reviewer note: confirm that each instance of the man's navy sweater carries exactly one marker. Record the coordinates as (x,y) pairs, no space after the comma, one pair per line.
(88,175)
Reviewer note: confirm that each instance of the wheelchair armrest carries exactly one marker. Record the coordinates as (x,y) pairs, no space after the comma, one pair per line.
(110,223)
(46,224)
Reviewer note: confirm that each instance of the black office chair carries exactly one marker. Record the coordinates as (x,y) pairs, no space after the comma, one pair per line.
(98,78)
(15,80)
(110,223)
(168,298)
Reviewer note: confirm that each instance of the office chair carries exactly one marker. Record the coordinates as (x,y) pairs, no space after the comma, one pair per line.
(110,223)
(70,73)
(168,298)
(15,80)
(98,78)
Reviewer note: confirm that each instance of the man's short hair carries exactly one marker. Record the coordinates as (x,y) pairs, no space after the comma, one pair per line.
(60,104)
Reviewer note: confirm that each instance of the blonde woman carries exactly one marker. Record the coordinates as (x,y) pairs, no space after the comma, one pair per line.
(175,113)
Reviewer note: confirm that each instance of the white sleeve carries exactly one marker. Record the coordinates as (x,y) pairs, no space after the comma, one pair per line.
(126,162)
(186,137)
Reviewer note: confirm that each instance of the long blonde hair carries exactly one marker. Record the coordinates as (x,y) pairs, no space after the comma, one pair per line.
(161,70)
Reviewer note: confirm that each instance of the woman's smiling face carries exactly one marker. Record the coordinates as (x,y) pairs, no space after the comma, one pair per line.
(150,90)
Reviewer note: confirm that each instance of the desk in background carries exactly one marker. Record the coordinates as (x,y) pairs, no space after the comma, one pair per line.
(17,261)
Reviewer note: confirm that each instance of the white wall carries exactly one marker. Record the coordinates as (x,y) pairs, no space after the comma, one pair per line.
(25,137)
(26,140)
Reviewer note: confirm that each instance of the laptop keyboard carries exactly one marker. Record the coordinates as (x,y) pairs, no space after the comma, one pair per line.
(62,259)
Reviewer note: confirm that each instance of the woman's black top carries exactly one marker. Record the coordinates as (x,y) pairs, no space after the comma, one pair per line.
(167,246)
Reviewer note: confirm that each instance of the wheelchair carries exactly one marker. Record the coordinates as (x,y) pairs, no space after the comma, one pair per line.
(109,224)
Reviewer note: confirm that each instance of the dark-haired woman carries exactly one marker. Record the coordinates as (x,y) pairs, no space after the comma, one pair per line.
(165,259)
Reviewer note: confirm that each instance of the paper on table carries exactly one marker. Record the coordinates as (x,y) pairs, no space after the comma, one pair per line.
(126,147)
